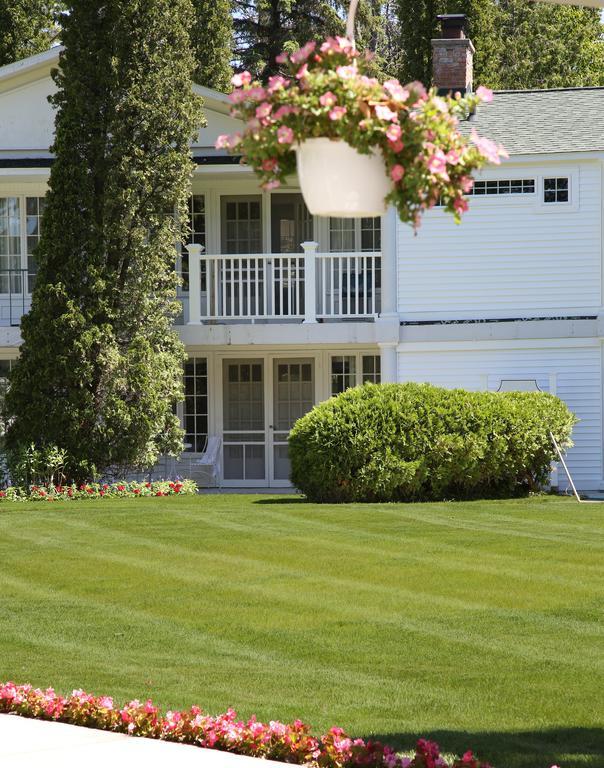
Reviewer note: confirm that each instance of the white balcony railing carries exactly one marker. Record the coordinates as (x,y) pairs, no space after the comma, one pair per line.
(306,286)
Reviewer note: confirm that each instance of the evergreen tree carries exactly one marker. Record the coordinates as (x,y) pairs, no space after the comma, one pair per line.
(519,44)
(264,28)
(26,27)
(212,41)
(100,367)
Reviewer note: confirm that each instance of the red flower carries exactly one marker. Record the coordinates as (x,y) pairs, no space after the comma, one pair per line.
(137,491)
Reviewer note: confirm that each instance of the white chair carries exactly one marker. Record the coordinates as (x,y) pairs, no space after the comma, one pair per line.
(209,462)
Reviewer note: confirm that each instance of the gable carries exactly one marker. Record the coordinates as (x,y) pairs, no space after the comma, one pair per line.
(27,119)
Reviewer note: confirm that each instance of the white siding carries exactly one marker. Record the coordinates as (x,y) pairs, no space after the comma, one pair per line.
(512,256)
(574,371)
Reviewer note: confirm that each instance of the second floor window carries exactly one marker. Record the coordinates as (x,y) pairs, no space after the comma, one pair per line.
(20,219)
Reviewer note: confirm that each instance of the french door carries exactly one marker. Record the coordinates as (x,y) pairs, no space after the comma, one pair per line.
(261,400)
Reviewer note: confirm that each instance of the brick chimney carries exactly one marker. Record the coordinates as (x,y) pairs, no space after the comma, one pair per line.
(452,56)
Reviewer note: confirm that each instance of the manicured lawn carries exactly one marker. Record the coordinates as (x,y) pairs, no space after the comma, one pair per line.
(479,624)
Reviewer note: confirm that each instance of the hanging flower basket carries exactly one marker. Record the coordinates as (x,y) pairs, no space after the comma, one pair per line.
(359,143)
(336,180)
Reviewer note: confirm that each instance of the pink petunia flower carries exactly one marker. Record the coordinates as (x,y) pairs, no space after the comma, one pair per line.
(437,164)
(460,205)
(346,72)
(397,172)
(328,99)
(285,135)
(270,164)
(264,110)
(303,53)
(241,79)
(276,83)
(385,113)
(337,113)
(488,149)
(396,90)
(302,72)
(273,184)
(394,132)
(484,94)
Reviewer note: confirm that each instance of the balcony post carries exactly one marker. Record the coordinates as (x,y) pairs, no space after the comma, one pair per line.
(310,281)
(194,283)
(389,309)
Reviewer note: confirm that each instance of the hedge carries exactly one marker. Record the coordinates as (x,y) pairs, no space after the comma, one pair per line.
(286,742)
(408,442)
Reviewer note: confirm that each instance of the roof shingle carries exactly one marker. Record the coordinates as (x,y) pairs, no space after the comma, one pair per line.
(542,122)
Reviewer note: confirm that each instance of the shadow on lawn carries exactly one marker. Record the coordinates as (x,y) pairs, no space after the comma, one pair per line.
(283,500)
(565,747)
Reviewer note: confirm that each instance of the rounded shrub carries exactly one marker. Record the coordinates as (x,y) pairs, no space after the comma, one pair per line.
(404,442)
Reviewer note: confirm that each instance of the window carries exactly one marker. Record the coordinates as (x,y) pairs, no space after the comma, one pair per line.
(503,187)
(371,369)
(555,190)
(346,235)
(351,370)
(195,412)
(197,234)
(241,224)
(10,244)
(34,209)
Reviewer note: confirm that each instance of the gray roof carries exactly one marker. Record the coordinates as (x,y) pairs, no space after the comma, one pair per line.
(540,122)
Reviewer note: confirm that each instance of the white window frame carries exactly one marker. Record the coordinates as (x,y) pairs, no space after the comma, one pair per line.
(358,356)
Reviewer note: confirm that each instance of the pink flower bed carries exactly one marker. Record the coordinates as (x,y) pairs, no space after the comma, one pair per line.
(123,489)
(289,743)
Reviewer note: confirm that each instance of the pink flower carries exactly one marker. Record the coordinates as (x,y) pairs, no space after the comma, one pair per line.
(302,72)
(273,184)
(460,205)
(241,79)
(394,132)
(236,97)
(276,83)
(327,99)
(437,164)
(337,113)
(466,183)
(484,94)
(487,148)
(270,164)
(385,113)
(303,53)
(346,72)
(417,89)
(396,90)
(223,141)
(397,146)
(337,45)
(256,94)
(440,104)
(453,157)
(285,135)
(281,58)
(284,110)
(397,172)
(263,110)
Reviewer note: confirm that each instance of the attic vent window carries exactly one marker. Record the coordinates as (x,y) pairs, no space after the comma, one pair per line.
(503,187)
(555,190)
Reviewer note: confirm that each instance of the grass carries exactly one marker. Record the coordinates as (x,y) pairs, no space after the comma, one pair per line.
(479,624)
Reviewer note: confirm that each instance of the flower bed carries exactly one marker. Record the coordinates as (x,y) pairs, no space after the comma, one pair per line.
(290,743)
(50,492)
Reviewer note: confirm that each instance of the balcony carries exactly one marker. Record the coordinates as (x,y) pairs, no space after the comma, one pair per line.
(15,295)
(282,287)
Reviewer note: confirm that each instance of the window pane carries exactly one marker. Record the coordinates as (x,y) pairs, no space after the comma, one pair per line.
(195,409)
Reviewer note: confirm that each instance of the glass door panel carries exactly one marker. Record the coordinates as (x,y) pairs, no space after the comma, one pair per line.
(293,396)
(291,223)
(244,420)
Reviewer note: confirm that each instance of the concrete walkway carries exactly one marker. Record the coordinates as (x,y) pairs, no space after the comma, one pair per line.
(25,743)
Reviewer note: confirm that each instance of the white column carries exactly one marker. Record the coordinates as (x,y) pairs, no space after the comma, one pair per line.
(310,281)
(389,310)
(194,283)
(389,362)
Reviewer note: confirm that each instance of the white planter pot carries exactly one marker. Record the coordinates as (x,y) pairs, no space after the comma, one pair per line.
(336,180)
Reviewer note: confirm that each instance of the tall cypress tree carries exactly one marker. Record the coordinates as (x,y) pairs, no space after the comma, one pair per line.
(26,27)
(100,367)
(519,44)
(212,41)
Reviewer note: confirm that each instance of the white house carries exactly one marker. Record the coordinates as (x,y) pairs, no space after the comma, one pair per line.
(514,295)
